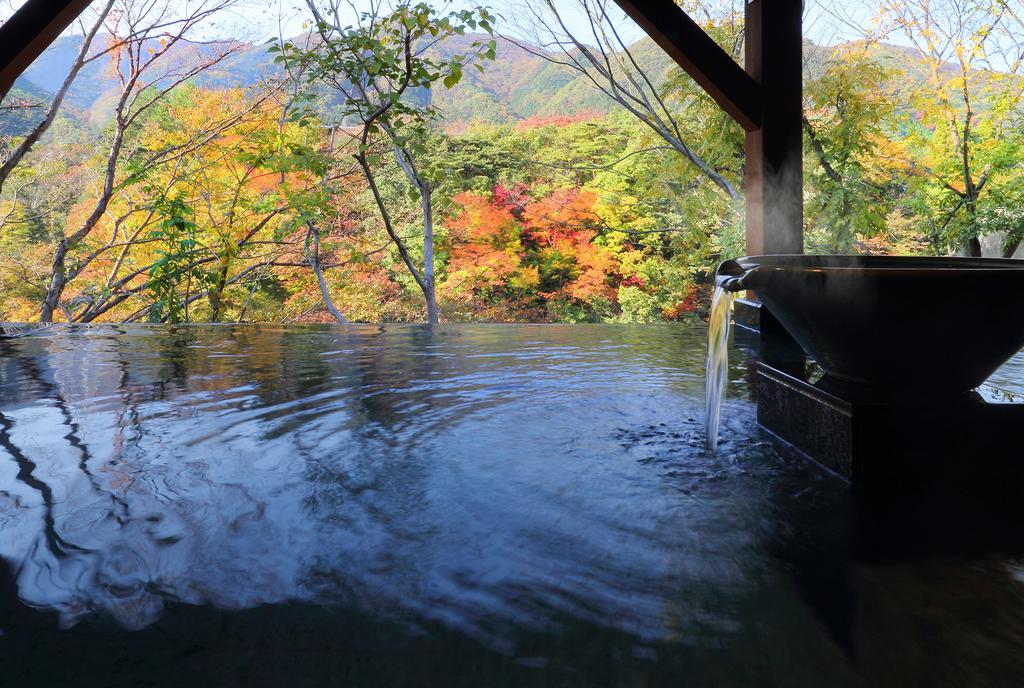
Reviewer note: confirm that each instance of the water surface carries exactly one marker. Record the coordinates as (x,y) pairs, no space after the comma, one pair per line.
(471,505)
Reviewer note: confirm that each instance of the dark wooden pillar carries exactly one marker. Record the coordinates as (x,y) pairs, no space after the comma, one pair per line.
(29,31)
(774,168)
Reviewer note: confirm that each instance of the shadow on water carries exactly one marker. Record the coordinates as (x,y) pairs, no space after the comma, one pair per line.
(918,588)
(239,505)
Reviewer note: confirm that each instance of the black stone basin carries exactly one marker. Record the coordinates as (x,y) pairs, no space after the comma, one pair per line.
(893,325)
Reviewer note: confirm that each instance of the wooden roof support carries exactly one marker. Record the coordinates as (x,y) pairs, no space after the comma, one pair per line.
(29,31)
(766,100)
(700,57)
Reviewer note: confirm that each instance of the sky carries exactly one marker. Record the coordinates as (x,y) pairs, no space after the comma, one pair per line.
(825,22)
(292,14)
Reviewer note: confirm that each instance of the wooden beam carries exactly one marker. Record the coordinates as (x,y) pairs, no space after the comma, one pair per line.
(773,175)
(700,57)
(29,31)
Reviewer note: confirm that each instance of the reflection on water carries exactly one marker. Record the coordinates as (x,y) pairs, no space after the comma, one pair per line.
(1010,377)
(497,503)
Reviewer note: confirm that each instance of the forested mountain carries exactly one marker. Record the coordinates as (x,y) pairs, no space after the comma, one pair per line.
(518,85)
(25,99)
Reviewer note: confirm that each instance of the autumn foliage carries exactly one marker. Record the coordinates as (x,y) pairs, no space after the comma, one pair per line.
(512,257)
(246,203)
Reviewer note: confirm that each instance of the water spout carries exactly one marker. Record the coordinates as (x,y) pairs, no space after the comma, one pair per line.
(717,373)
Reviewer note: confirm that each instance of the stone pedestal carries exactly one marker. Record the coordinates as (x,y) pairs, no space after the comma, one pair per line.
(899,446)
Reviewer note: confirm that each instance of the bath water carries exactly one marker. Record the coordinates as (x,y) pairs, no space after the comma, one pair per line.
(717,373)
(461,505)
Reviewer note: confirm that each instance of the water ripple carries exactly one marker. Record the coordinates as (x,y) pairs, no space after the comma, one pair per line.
(498,481)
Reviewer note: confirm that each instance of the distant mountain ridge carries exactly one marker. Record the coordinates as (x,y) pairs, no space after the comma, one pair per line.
(25,100)
(518,85)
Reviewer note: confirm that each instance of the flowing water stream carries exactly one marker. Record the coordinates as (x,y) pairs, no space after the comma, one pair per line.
(717,373)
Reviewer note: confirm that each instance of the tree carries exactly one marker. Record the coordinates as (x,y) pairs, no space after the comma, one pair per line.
(217,223)
(964,133)
(381,70)
(143,36)
(488,276)
(848,120)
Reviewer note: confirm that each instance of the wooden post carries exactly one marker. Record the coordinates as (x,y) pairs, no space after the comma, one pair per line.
(29,31)
(773,179)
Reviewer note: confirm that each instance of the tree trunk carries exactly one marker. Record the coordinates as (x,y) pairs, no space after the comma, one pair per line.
(427,284)
(314,262)
(216,295)
(972,248)
(57,281)
(429,289)
(1010,248)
